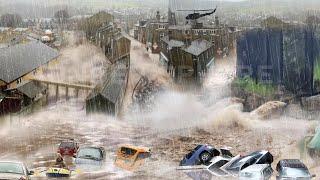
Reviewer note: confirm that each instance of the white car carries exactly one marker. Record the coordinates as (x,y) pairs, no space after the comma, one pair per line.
(14,170)
(215,167)
(256,172)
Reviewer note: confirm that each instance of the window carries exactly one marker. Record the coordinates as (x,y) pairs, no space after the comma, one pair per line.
(204,32)
(218,164)
(19,81)
(128,151)
(143,155)
(161,35)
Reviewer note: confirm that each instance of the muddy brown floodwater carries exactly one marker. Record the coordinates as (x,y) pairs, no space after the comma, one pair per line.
(178,122)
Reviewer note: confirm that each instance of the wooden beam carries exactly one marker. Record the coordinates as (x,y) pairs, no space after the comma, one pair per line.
(76,86)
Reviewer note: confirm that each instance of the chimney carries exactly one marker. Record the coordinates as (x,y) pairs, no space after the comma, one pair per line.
(216,21)
(158,16)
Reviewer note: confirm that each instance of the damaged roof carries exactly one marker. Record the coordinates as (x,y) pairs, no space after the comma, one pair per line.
(31,89)
(114,82)
(198,46)
(20,59)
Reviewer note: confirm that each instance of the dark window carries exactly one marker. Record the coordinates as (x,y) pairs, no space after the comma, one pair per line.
(143,155)
(189,155)
(218,164)
(128,151)
(67,145)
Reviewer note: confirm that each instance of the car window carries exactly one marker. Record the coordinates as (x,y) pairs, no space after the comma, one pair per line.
(252,157)
(143,155)
(218,164)
(8,167)
(267,171)
(189,155)
(90,153)
(128,151)
(198,147)
(67,145)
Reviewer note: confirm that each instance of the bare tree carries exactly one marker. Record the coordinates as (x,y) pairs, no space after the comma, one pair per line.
(61,16)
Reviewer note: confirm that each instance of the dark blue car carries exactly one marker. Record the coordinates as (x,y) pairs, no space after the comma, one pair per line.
(202,154)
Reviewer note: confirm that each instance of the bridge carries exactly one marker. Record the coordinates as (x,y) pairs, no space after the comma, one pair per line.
(67,86)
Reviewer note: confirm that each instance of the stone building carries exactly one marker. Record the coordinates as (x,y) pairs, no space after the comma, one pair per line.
(150,32)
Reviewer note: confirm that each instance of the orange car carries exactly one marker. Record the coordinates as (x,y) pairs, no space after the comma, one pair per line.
(131,157)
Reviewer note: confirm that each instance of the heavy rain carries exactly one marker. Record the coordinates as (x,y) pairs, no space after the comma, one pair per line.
(168,89)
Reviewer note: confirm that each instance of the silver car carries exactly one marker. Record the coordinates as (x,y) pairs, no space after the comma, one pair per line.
(14,170)
(256,172)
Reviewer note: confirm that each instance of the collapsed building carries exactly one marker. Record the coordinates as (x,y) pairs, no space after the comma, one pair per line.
(107,97)
(283,55)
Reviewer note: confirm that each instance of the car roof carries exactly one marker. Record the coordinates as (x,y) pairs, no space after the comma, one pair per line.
(16,162)
(294,163)
(91,147)
(137,148)
(255,168)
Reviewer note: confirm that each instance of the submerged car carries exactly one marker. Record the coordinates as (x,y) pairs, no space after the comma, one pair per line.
(68,147)
(14,170)
(208,172)
(202,154)
(131,157)
(239,163)
(57,172)
(293,169)
(215,167)
(90,158)
(256,172)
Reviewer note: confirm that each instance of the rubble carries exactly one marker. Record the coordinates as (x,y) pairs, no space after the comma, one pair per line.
(269,109)
(145,92)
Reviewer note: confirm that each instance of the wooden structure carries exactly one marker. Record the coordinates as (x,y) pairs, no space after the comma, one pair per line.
(67,86)
(108,96)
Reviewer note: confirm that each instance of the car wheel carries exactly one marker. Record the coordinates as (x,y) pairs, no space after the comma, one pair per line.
(205,157)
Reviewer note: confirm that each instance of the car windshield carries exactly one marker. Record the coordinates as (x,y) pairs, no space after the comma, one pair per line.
(8,167)
(66,145)
(128,151)
(244,159)
(251,175)
(218,164)
(295,172)
(90,153)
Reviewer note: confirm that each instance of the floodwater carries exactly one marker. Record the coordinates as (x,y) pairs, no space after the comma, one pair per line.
(34,138)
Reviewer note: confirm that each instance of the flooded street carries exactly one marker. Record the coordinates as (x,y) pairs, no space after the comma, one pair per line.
(178,121)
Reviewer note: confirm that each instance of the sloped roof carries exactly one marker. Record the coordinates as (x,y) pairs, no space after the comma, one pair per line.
(31,89)
(198,46)
(114,82)
(21,59)
(172,43)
